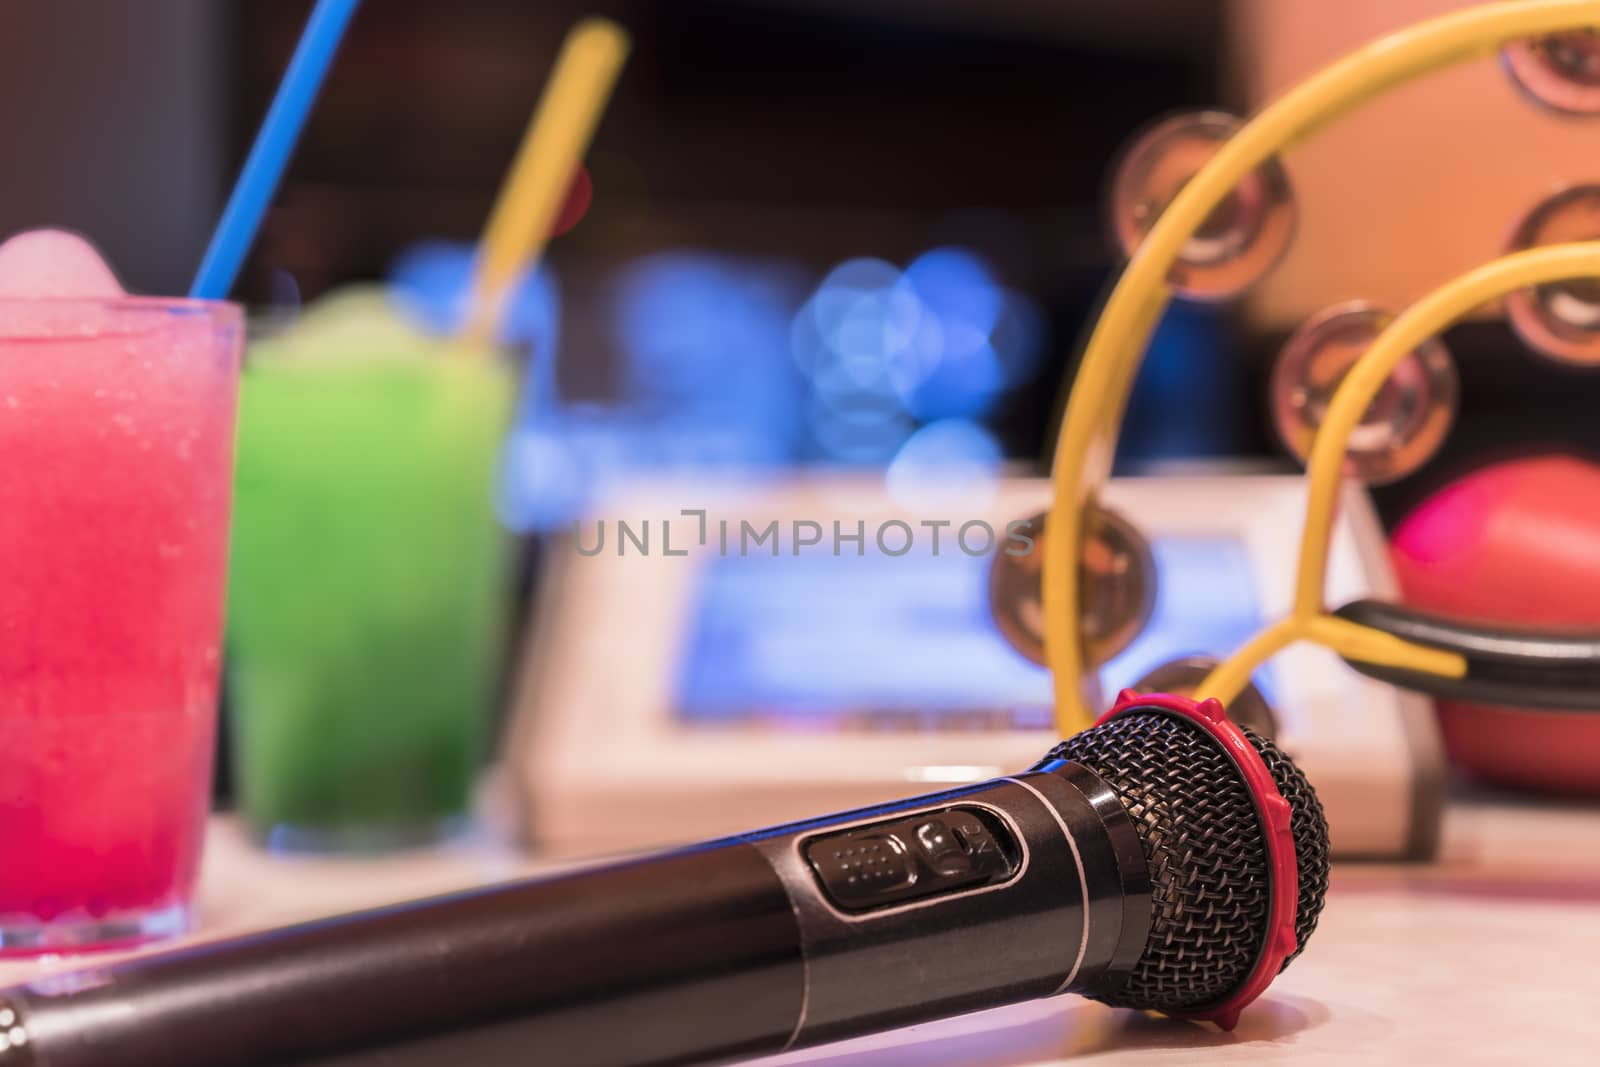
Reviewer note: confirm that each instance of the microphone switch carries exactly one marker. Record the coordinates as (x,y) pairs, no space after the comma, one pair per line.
(912,858)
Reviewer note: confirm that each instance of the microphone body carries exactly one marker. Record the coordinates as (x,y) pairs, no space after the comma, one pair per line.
(1012,889)
(1164,859)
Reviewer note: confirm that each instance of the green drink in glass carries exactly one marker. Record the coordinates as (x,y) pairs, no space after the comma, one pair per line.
(365,599)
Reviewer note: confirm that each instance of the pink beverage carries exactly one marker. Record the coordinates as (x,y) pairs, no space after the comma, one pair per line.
(116,442)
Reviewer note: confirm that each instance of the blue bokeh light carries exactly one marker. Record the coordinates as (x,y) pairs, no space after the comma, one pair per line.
(941,339)
(726,365)
(703,336)
(704,384)
(958,457)
(431,280)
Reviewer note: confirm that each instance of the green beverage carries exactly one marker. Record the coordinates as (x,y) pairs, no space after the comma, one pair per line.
(365,590)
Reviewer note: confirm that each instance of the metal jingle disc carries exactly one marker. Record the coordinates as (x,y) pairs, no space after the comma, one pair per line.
(1245,235)
(1117,573)
(1562,320)
(1181,677)
(1560,71)
(1406,422)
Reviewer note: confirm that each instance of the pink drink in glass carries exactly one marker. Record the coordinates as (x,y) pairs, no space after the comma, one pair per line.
(116,445)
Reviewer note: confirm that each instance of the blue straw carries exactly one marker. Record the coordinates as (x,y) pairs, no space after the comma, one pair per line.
(270,154)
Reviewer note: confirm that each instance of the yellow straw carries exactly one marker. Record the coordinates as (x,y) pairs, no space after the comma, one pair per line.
(552,147)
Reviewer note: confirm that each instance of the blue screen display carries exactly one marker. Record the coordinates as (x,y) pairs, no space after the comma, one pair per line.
(819,642)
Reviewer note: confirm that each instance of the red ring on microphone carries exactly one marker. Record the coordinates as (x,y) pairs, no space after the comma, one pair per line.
(1274,814)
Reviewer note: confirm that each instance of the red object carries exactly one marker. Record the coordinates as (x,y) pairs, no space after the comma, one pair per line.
(1517,542)
(114,495)
(579,196)
(1274,813)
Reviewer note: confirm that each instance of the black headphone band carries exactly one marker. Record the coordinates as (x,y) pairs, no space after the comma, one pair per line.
(1553,670)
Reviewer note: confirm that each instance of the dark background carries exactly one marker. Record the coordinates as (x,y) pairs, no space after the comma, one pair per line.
(815,131)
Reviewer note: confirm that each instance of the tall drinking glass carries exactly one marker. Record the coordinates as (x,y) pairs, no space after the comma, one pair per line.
(116,445)
(366,588)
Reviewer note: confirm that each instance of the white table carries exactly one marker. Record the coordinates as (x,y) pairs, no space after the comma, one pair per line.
(1490,956)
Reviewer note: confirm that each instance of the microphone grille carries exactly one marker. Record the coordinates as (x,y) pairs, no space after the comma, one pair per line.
(1207,857)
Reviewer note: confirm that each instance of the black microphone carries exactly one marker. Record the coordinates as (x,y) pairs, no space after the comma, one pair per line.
(1165,860)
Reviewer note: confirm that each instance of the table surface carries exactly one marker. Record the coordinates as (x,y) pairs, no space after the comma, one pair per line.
(1491,955)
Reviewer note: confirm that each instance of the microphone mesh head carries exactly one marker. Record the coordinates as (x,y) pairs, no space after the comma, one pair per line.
(1206,854)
